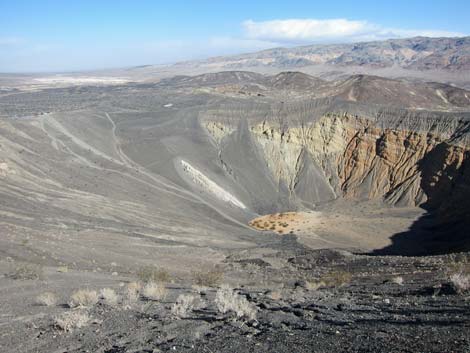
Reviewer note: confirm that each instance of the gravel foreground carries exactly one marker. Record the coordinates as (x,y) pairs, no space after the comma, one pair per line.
(305,301)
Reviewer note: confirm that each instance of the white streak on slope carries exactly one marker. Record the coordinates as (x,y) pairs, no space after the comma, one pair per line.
(207,184)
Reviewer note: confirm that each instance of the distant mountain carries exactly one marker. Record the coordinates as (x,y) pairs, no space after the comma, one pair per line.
(289,80)
(423,59)
(419,53)
(419,59)
(216,78)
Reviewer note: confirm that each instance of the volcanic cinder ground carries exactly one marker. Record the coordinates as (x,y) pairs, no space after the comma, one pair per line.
(295,197)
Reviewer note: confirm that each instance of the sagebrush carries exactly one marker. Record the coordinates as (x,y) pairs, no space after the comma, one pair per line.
(132,292)
(153,274)
(208,278)
(154,291)
(460,282)
(183,306)
(46,299)
(109,296)
(71,320)
(227,300)
(83,298)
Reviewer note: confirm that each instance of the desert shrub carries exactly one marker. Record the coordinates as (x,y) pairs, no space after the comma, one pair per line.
(208,278)
(70,320)
(183,306)
(46,299)
(63,269)
(452,268)
(275,295)
(314,285)
(199,289)
(83,298)
(460,282)
(459,260)
(252,267)
(154,291)
(226,300)
(153,274)
(397,280)
(27,271)
(109,296)
(337,278)
(132,292)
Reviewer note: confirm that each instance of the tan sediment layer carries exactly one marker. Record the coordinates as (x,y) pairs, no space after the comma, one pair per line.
(286,222)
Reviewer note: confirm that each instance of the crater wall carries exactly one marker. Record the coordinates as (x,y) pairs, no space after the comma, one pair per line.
(343,155)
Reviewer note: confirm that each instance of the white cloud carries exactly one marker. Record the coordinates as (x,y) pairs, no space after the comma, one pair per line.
(314,30)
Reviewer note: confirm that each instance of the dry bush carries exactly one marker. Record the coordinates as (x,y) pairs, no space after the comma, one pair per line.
(337,278)
(183,306)
(70,320)
(251,267)
(153,274)
(227,300)
(154,291)
(46,299)
(313,285)
(199,289)
(397,280)
(275,295)
(460,282)
(27,271)
(63,269)
(132,292)
(109,296)
(452,268)
(459,261)
(83,298)
(208,278)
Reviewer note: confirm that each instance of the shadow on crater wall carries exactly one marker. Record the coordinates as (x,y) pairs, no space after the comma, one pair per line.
(429,236)
(446,226)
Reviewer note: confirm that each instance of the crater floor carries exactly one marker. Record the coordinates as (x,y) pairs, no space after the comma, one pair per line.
(359,226)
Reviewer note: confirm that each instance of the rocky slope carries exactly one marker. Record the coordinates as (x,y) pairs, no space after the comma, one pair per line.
(323,300)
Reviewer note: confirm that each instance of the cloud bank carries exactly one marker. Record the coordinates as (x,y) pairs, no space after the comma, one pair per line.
(293,31)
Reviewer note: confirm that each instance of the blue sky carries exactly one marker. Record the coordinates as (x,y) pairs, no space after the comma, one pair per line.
(65,35)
